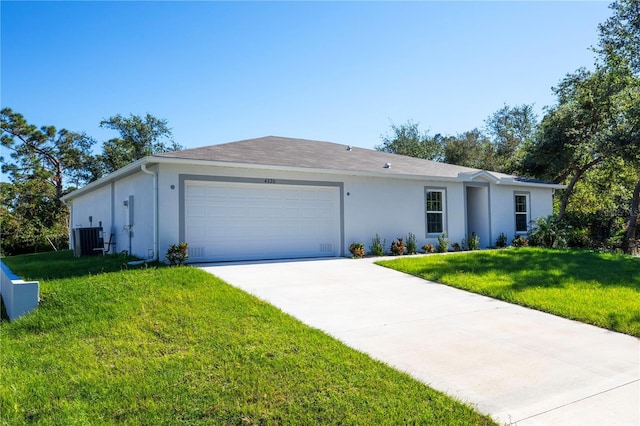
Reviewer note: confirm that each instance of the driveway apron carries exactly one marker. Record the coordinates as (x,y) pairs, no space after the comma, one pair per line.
(515,364)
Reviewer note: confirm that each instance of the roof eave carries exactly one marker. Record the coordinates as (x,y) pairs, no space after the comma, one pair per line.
(385,173)
(516,182)
(111,177)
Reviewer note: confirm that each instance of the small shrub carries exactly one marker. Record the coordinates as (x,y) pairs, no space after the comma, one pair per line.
(474,241)
(428,248)
(398,247)
(579,238)
(456,247)
(178,253)
(357,249)
(412,245)
(519,241)
(443,243)
(548,232)
(501,242)
(377,246)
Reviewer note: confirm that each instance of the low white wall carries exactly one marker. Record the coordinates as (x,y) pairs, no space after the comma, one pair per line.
(19,297)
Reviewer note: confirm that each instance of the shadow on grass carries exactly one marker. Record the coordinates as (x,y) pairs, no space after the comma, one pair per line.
(596,288)
(542,268)
(63,264)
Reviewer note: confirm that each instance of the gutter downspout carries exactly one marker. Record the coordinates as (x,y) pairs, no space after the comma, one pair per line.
(143,168)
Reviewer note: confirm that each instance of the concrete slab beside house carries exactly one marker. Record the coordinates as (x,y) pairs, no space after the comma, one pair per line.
(275,197)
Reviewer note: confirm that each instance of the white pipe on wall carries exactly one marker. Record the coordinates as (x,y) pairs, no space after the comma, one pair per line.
(144,169)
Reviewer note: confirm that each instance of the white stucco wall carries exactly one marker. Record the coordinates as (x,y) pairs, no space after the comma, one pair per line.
(140,185)
(96,204)
(394,207)
(105,204)
(390,207)
(503,207)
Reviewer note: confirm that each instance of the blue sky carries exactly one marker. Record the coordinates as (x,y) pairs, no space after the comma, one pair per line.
(334,71)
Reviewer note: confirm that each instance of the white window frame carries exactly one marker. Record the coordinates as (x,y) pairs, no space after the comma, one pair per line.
(443,212)
(526,213)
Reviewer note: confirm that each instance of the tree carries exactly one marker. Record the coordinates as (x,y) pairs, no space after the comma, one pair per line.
(599,206)
(511,130)
(593,122)
(619,35)
(619,47)
(630,243)
(31,218)
(42,164)
(408,140)
(139,137)
(55,157)
(471,149)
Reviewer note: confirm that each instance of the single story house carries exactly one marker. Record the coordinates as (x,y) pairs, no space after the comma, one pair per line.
(276,197)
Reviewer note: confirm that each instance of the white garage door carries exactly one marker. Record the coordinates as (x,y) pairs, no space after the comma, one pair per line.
(248,221)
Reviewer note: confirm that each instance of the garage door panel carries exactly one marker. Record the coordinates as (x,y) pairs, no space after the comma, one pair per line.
(236,221)
(196,191)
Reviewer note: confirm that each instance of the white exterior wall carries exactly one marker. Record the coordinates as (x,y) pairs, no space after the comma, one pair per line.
(140,185)
(390,207)
(387,206)
(96,204)
(168,200)
(394,207)
(503,207)
(105,205)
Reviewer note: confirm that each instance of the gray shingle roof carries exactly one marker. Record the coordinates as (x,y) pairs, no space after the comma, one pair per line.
(303,153)
(292,153)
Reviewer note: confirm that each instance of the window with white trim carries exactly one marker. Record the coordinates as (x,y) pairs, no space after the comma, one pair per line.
(522,213)
(435,210)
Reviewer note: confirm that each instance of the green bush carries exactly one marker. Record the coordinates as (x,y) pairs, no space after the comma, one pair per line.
(443,243)
(412,244)
(377,246)
(177,254)
(501,241)
(579,238)
(519,241)
(548,232)
(474,241)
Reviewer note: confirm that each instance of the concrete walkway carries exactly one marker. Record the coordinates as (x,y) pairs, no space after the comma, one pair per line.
(515,364)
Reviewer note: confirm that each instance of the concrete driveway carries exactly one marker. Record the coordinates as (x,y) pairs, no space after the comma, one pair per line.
(515,364)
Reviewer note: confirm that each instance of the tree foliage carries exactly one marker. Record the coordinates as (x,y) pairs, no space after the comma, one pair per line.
(407,139)
(591,124)
(470,149)
(511,131)
(619,47)
(31,218)
(619,43)
(139,137)
(56,157)
(43,164)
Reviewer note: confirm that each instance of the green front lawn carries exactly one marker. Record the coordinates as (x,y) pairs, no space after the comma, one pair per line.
(596,288)
(110,344)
